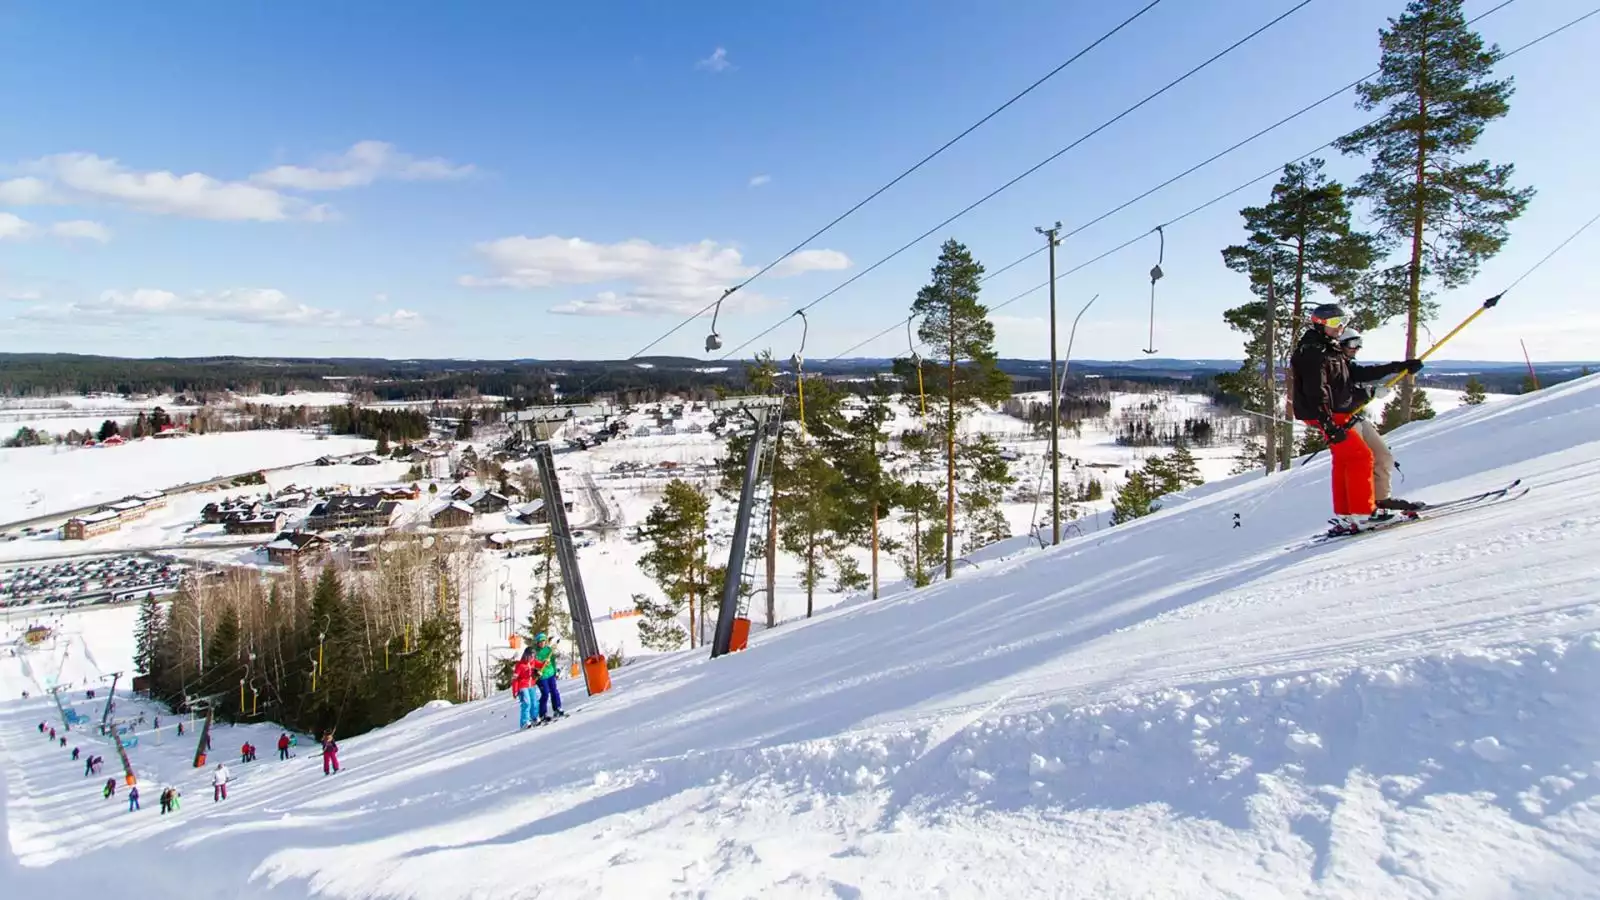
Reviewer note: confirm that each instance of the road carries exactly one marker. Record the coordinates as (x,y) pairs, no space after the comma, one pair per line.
(221,480)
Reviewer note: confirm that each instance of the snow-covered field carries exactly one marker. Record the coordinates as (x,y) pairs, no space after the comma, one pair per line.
(39,481)
(1171,708)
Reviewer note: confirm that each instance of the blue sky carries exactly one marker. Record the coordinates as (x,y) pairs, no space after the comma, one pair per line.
(498,180)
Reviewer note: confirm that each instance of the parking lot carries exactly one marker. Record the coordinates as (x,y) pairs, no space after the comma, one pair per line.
(86,581)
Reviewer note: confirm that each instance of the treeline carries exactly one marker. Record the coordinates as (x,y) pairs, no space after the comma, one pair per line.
(1075,409)
(341,649)
(391,424)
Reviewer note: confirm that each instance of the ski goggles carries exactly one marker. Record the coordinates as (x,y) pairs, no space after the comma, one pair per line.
(1335,322)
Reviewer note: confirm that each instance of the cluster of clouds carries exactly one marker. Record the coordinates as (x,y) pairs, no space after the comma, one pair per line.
(87,179)
(654,279)
(640,277)
(251,306)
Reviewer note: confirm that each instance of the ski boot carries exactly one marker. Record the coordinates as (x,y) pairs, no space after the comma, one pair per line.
(1342,525)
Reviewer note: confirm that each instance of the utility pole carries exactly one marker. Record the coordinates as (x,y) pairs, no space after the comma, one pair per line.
(1272,366)
(1055,393)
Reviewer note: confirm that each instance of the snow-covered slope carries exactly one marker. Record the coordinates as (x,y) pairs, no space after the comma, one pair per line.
(1174,707)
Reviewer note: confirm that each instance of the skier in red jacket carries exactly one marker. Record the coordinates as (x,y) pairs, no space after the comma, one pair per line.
(522,682)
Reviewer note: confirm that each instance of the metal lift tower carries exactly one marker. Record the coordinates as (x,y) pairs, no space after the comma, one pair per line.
(542,422)
(765,414)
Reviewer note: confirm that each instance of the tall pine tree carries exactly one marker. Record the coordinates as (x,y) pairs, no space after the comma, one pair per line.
(146,637)
(1437,95)
(964,373)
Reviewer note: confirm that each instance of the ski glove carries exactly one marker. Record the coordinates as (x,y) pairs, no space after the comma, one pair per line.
(1335,433)
(1412,366)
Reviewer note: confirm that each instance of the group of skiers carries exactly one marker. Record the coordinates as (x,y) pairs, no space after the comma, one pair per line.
(1326,393)
(536,670)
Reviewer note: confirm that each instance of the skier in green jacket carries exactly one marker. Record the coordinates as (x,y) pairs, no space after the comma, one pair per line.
(549,696)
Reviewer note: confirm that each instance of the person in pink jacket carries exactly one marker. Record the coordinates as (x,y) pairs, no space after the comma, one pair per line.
(522,682)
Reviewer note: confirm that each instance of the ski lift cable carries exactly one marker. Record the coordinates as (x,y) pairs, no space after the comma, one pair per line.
(1570,238)
(1041,164)
(1202,164)
(714,340)
(1155,276)
(1263,176)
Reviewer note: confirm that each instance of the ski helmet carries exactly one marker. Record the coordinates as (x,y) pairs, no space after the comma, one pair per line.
(1350,339)
(1330,315)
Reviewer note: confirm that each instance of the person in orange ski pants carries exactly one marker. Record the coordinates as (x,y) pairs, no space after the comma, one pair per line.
(1325,395)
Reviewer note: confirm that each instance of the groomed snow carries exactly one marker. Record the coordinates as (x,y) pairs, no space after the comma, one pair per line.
(1171,708)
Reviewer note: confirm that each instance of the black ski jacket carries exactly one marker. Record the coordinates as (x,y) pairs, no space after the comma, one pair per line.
(1325,382)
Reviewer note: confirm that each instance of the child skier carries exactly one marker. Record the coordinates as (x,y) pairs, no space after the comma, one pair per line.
(330,755)
(283,746)
(549,696)
(522,680)
(219,783)
(133,798)
(1382,458)
(1323,381)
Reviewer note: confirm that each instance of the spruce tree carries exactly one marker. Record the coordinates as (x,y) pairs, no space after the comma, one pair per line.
(985,475)
(956,327)
(146,637)
(1135,500)
(1436,92)
(1394,414)
(1529,384)
(1474,393)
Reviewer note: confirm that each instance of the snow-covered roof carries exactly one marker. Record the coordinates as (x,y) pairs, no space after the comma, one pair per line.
(149,495)
(453,504)
(101,516)
(125,505)
(516,537)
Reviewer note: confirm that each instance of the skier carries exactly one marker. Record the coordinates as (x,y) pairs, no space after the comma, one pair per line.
(549,696)
(330,754)
(63,740)
(110,789)
(219,783)
(166,801)
(244,753)
(522,680)
(283,746)
(133,798)
(41,728)
(1323,396)
(1382,458)
(74,754)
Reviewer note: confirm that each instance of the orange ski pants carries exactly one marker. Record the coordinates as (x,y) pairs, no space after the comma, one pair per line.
(1353,490)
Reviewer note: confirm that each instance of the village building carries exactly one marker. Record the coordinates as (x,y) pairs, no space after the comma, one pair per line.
(454,514)
(364,511)
(152,499)
(503,540)
(489,502)
(265,522)
(292,546)
(129,510)
(367,461)
(80,528)
(219,511)
(534,512)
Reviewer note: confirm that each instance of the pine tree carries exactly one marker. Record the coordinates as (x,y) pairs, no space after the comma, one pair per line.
(383,444)
(1474,393)
(808,513)
(550,614)
(956,327)
(1394,413)
(1529,384)
(1435,89)
(658,624)
(1172,473)
(985,475)
(676,528)
(1300,239)
(867,490)
(1135,500)
(145,637)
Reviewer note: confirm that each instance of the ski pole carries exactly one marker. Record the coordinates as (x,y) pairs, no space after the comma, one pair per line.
(1487,305)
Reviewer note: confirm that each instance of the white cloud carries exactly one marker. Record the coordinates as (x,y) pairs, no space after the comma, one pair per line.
(716,62)
(262,306)
(13,227)
(361,165)
(21,296)
(26,191)
(85,177)
(760,180)
(81,229)
(659,279)
(400,319)
(16,228)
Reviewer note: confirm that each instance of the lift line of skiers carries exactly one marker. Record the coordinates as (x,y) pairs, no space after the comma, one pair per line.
(219,776)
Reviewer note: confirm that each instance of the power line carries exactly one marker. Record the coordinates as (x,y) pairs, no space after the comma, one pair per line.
(903,175)
(1214,200)
(1046,161)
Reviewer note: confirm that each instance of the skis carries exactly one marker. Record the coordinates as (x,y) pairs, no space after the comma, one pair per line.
(1505,494)
(552,720)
